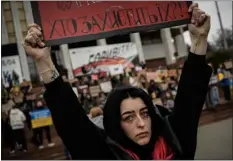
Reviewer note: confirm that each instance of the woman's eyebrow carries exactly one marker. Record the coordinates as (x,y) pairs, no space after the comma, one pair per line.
(130,112)
(142,109)
(127,112)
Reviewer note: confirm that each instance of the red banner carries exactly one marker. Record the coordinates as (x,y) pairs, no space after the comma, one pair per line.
(73,21)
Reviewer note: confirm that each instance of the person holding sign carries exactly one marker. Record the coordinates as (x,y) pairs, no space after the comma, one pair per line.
(42,124)
(133,127)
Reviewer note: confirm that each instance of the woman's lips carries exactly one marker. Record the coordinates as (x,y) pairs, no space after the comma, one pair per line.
(142,134)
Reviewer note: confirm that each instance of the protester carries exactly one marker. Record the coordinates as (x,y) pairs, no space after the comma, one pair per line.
(96,116)
(38,132)
(133,79)
(168,101)
(17,121)
(86,101)
(101,99)
(133,127)
(213,93)
(17,96)
(173,86)
(224,81)
(156,100)
(153,87)
(7,134)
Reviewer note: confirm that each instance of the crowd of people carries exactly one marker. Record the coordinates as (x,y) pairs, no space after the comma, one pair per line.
(162,88)
(18,102)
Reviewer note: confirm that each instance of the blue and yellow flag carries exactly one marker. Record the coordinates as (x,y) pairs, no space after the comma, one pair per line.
(40,118)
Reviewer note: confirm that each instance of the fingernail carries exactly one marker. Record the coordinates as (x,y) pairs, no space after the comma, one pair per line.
(42,44)
(192,21)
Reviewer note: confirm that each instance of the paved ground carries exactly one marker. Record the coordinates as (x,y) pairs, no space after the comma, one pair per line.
(215,141)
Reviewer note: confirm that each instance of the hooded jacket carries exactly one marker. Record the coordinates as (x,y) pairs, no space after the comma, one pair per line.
(173,135)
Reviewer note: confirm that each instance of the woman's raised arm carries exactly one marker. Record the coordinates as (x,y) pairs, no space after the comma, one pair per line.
(80,136)
(193,85)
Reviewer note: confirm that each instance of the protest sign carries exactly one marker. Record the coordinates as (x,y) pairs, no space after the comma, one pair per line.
(65,22)
(172,73)
(101,57)
(94,77)
(228,64)
(153,76)
(116,69)
(11,70)
(83,89)
(94,91)
(106,87)
(41,118)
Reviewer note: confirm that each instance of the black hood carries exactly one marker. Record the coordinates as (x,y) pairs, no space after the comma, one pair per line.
(112,118)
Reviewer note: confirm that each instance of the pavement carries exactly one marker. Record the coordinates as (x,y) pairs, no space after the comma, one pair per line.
(214,139)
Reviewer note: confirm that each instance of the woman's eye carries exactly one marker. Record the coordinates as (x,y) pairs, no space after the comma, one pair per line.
(128,118)
(145,114)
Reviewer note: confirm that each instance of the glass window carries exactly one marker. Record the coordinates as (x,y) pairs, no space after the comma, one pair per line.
(118,39)
(82,44)
(151,37)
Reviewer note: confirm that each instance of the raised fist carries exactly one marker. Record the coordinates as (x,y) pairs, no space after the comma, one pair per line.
(33,43)
(200,23)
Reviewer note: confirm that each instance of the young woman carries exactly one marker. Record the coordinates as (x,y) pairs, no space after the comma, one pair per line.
(134,127)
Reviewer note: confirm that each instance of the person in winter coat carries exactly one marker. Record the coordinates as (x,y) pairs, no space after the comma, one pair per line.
(133,127)
(17,122)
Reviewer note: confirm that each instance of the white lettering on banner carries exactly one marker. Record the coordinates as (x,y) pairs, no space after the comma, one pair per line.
(102,55)
(11,70)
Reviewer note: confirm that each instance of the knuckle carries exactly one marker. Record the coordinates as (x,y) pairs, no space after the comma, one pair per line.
(38,39)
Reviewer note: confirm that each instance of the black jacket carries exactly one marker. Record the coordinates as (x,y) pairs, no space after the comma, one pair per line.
(85,141)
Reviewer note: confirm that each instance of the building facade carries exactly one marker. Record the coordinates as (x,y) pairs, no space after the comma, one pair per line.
(154,47)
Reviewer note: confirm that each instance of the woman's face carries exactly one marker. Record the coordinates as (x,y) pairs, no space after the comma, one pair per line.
(135,120)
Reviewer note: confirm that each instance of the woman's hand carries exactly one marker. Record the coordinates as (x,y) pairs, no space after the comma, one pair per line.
(35,47)
(33,43)
(199,30)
